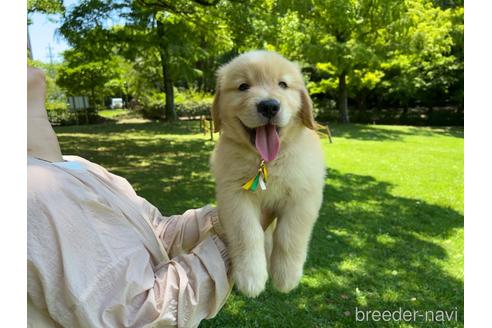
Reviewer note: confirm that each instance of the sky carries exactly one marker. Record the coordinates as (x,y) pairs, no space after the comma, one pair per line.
(42,33)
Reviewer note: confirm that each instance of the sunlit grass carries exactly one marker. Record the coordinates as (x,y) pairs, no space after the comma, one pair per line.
(112,113)
(390,232)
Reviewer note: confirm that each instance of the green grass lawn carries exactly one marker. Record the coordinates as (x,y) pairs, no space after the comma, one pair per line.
(112,113)
(389,235)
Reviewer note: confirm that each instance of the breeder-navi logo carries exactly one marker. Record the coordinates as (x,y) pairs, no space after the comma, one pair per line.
(406,315)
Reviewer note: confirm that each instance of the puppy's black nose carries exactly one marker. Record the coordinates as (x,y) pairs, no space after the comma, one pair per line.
(268,108)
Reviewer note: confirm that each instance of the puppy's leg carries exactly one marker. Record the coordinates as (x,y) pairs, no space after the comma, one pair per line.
(290,244)
(241,220)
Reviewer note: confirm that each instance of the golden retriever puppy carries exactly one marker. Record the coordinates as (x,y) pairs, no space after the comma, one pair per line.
(268,159)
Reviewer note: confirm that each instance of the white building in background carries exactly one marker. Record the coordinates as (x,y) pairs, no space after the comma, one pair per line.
(116,103)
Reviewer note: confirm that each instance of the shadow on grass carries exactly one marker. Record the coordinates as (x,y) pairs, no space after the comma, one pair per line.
(370,249)
(376,133)
(171,173)
(152,128)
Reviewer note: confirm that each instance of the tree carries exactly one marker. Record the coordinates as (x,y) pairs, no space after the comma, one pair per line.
(350,35)
(173,30)
(120,83)
(357,47)
(80,77)
(48,7)
(340,38)
(428,64)
(401,53)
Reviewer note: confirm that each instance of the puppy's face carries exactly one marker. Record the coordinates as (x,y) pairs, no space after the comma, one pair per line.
(259,89)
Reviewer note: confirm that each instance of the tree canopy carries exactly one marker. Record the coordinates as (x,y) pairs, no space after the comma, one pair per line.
(357,53)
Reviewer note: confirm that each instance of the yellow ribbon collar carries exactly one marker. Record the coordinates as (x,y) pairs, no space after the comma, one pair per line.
(259,180)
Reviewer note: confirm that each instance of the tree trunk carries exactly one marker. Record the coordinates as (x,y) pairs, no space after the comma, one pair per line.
(169,111)
(361,102)
(92,102)
(342,99)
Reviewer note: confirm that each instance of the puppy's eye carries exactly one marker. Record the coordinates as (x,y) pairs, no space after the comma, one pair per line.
(283,85)
(243,87)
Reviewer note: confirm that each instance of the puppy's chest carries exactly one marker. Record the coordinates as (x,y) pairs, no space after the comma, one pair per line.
(283,183)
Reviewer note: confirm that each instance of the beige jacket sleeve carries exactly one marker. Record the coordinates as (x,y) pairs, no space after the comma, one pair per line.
(100,256)
(192,242)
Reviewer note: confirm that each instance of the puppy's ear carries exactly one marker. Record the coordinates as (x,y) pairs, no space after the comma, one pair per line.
(216,110)
(307,110)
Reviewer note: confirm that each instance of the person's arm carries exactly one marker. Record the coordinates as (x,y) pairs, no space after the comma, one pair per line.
(86,266)
(131,293)
(196,284)
(181,292)
(41,139)
(192,241)
(180,233)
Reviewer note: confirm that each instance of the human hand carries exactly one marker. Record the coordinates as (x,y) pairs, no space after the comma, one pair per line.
(41,139)
(36,90)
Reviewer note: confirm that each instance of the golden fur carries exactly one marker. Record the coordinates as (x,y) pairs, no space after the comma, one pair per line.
(296,177)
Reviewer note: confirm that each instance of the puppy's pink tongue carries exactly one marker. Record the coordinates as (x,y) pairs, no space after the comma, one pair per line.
(267,142)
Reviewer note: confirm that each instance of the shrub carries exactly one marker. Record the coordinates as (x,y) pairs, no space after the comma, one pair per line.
(191,102)
(67,117)
(193,108)
(152,105)
(56,105)
(188,103)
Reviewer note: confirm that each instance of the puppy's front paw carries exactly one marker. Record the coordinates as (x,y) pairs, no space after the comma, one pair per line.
(285,274)
(250,276)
